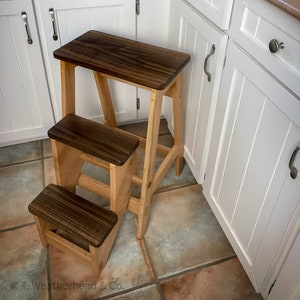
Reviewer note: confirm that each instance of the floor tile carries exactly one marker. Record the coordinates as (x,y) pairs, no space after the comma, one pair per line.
(166,139)
(141,128)
(183,238)
(98,174)
(170,181)
(126,268)
(183,232)
(20,153)
(23,272)
(19,185)
(149,292)
(224,281)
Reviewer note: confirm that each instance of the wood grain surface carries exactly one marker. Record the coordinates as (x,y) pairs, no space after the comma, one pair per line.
(73,214)
(140,63)
(109,144)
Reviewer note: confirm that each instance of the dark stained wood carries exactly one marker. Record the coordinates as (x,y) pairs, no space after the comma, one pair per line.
(74,214)
(136,62)
(109,144)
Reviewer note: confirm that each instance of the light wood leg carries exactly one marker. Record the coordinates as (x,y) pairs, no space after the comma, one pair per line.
(105,98)
(121,184)
(42,227)
(100,255)
(67,164)
(67,88)
(120,190)
(178,121)
(150,156)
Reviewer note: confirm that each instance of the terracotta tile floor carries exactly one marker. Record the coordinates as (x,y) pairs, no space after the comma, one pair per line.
(184,254)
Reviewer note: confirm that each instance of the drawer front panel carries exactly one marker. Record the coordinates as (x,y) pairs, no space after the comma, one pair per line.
(254,31)
(218,11)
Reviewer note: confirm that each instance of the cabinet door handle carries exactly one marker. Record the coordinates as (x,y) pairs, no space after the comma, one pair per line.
(52,16)
(210,53)
(24,16)
(294,170)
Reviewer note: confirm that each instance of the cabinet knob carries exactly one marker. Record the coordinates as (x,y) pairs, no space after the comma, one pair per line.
(274,45)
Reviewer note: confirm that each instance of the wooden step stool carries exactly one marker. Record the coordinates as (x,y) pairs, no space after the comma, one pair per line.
(74,140)
(158,70)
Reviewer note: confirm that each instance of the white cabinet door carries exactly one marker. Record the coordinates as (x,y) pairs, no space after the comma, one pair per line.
(248,183)
(287,285)
(25,106)
(71,19)
(152,28)
(218,11)
(190,33)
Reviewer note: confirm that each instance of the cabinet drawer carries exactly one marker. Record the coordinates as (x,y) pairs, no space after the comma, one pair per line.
(255,24)
(218,11)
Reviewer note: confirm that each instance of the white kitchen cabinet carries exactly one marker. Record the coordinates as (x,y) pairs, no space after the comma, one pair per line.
(152,28)
(69,19)
(287,285)
(256,31)
(25,106)
(248,182)
(217,11)
(191,33)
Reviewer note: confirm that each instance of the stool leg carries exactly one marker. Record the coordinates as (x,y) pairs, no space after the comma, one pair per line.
(67,165)
(178,121)
(105,98)
(120,190)
(42,227)
(100,255)
(67,88)
(121,184)
(150,157)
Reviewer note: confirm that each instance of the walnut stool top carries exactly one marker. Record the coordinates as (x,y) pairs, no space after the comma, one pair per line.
(136,62)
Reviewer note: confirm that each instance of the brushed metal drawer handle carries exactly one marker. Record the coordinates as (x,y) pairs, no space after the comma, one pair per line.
(294,170)
(274,46)
(51,12)
(211,52)
(24,17)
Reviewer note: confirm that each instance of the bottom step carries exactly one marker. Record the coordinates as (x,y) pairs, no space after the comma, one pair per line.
(74,214)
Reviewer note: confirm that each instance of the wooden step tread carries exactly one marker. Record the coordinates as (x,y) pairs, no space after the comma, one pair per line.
(74,214)
(109,144)
(140,63)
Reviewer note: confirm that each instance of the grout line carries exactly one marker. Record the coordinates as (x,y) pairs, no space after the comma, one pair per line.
(201,267)
(174,187)
(20,163)
(165,134)
(16,227)
(49,274)
(148,259)
(158,281)
(41,156)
